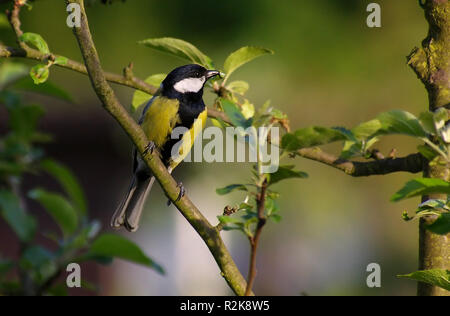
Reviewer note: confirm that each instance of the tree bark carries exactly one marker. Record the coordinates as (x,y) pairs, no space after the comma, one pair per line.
(431,63)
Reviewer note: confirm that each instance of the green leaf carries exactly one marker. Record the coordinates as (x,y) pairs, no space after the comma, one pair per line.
(230,188)
(437,208)
(47,88)
(245,207)
(140,97)
(435,277)
(440,117)
(103,260)
(248,110)
(351,149)
(229,220)
(23,120)
(116,246)
(10,72)
(35,257)
(427,121)
(392,122)
(39,73)
(427,152)
(286,172)
(59,208)
(312,136)
(238,87)
(35,40)
(432,122)
(441,225)
(40,262)
(271,206)
(23,225)
(89,232)
(357,148)
(400,122)
(179,48)
(234,227)
(234,114)
(433,204)
(421,186)
(243,56)
(61,60)
(276,218)
(277,114)
(69,182)
(366,129)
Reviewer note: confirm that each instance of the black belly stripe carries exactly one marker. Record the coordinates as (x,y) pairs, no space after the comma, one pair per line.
(188,115)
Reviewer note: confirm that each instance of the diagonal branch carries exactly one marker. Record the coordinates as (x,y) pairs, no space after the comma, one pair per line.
(208,233)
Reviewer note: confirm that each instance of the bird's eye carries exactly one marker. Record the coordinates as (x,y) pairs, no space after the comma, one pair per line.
(197,75)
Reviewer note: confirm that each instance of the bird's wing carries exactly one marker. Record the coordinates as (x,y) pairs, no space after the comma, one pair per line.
(136,163)
(159,119)
(149,103)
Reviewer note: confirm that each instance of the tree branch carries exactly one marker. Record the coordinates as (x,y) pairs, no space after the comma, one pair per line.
(24,51)
(208,233)
(413,163)
(34,54)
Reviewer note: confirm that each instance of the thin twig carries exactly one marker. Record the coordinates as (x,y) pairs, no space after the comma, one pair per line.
(33,54)
(254,240)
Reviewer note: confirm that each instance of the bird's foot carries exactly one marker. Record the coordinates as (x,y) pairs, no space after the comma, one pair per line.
(180,195)
(182,191)
(149,149)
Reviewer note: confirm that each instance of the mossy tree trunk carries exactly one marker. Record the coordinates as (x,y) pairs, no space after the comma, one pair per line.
(432,65)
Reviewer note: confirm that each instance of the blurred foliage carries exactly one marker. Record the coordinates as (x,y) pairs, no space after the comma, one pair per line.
(38,268)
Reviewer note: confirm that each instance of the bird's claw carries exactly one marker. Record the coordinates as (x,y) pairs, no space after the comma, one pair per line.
(180,195)
(182,191)
(149,149)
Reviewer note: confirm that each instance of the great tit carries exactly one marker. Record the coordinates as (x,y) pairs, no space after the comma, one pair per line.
(178,103)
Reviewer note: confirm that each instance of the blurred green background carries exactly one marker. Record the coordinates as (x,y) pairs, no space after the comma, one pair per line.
(329,69)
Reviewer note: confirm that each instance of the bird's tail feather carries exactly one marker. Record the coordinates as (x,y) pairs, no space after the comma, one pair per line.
(129,211)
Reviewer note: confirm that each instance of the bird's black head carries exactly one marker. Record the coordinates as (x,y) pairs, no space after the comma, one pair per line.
(187,80)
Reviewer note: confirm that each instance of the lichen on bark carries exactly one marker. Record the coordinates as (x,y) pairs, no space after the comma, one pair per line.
(431,63)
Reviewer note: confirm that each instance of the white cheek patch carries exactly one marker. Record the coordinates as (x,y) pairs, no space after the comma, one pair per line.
(192,85)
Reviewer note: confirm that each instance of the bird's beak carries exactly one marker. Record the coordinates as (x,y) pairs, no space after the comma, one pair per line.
(212,73)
